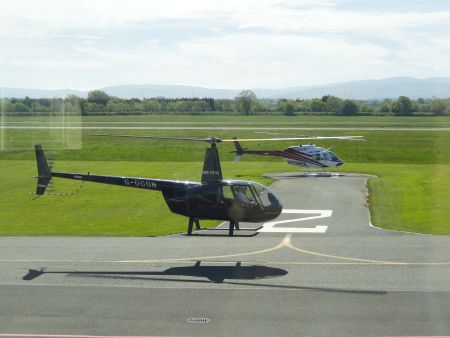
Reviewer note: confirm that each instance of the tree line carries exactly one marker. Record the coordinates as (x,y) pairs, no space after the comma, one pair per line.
(246,103)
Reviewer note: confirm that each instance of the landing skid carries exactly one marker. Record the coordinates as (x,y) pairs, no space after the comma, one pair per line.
(233,225)
(316,173)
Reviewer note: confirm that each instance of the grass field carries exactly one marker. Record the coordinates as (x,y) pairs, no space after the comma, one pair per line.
(411,193)
(408,197)
(388,120)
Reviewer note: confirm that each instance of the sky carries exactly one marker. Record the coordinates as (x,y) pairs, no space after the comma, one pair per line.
(234,44)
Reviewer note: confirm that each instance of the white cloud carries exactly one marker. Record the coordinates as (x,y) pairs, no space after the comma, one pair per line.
(215,43)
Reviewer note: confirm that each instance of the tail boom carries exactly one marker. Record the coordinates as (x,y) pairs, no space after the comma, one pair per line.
(45,175)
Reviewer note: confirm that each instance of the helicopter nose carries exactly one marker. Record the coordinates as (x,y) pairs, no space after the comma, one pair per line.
(339,163)
(274,209)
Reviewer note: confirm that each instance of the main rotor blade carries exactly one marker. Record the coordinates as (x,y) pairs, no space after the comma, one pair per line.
(217,140)
(298,138)
(208,139)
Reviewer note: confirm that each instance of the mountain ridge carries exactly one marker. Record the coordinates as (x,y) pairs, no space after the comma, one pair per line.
(392,88)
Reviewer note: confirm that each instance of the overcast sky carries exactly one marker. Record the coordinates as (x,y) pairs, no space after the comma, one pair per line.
(220,44)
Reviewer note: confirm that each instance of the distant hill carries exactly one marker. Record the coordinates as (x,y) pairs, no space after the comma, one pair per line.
(169,91)
(39,93)
(379,89)
(361,90)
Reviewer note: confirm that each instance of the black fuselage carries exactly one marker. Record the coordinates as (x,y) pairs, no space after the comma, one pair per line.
(239,201)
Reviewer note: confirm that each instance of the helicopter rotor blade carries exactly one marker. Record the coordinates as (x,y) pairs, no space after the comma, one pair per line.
(218,140)
(297,138)
(207,139)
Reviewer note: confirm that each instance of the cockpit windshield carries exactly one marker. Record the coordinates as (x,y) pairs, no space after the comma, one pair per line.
(265,195)
(333,156)
(326,156)
(329,155)
(251,194)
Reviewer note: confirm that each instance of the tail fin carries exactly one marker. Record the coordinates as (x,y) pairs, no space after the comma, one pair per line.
(212,171)
(239,151)
(44,172)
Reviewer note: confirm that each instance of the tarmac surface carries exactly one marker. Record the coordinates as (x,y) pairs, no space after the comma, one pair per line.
(320,269)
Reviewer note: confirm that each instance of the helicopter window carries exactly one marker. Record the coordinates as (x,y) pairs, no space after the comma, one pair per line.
(244,194)
(264,194)
(333,156)
(227,193)
(326,156)
(317,157)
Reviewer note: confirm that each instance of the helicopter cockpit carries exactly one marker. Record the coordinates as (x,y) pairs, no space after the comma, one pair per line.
(249,196)
(237,200)
(329,155)
(321,154)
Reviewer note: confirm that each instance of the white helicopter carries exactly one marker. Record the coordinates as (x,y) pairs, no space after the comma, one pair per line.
(307,155)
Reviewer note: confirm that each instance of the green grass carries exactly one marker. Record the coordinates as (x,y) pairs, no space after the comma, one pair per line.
(411,193)
(415,147)
(240,118)
(408,197)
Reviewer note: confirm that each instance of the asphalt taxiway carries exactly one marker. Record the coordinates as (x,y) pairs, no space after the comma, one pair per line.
(320,269)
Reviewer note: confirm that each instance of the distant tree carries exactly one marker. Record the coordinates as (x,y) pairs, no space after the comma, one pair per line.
(72,103)
(83,106)
(27,101)
(425,108)
(333,104)
(384,107)
(18,107)
(287,107)
(402,106)
(151,105)
(325,98)
(349,108)
(93,107)
(211,103)
(420,100)
(317,105)
(72,98)
(225,105)
(303,105)
(439,107)
(246,101)
(366,108)
(36,107)
(98,97)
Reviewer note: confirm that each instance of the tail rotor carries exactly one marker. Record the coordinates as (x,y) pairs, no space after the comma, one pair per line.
(239,151)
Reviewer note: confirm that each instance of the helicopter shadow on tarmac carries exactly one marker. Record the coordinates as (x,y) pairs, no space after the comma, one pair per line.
(213,273)
(237,275)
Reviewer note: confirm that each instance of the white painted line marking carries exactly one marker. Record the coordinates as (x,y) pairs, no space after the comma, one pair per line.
(320,229)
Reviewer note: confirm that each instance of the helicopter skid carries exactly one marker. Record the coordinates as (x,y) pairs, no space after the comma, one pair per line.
(240,229)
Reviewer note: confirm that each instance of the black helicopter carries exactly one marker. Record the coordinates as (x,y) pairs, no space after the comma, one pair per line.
(212,198)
